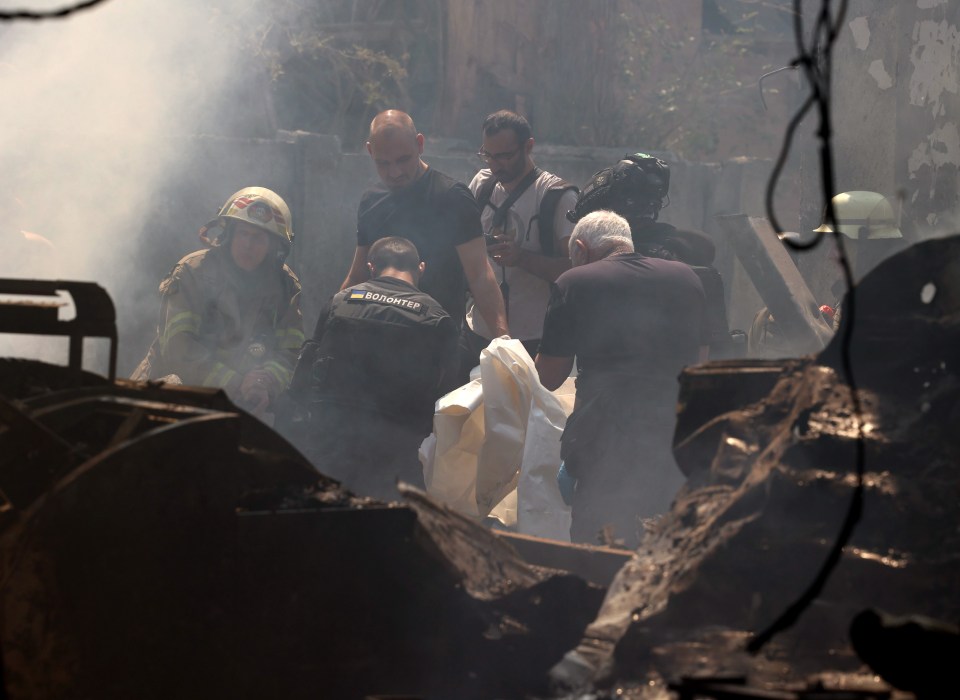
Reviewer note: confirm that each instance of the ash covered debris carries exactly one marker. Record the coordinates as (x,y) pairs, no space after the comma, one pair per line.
(769,484)
(168,544)
(414,599)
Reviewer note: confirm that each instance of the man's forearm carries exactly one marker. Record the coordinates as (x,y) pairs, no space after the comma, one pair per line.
(352,279)
(489,301)
(358,268)
(553,371)
(483,285)
(542,266)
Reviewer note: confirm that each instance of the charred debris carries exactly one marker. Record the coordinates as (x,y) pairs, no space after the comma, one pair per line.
(158,542)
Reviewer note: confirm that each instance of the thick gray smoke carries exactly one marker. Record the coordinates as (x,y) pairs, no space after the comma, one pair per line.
(95,113)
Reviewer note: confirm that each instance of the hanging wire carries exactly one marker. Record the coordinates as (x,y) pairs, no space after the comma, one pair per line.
(815,61)
(11,15)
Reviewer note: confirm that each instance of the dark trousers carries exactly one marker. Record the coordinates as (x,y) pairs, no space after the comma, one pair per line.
(470,346)
(366,451)
(618,444)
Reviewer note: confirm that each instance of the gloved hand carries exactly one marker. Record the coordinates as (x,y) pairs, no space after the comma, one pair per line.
(255,391)
(566,483)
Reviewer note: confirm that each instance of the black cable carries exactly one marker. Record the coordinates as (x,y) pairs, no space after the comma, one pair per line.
(9,16)
(817,69)
(781,161)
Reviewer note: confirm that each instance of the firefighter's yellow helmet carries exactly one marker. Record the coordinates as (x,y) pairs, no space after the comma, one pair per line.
(260,207)
(863,215)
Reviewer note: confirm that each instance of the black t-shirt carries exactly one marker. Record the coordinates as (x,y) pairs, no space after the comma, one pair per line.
(437,214)
(627,314)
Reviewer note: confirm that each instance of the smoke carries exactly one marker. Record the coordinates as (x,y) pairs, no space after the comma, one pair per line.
(97,113)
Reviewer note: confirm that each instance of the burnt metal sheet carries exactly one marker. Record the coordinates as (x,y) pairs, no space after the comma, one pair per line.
(777,281)
(174,546)
(710,390)
(95,315)
(43,439)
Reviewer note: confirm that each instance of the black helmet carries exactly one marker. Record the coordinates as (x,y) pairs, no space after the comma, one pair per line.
(634,187)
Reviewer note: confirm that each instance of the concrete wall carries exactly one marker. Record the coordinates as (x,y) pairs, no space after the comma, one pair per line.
(895,107)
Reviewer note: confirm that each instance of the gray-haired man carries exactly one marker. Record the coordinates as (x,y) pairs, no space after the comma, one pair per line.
(632,322)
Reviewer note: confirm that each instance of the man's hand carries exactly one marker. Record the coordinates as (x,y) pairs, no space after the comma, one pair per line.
(567,484)
(483,285)
(505,251)
(256,390)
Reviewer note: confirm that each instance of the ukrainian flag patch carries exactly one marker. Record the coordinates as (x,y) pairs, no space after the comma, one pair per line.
(357,294)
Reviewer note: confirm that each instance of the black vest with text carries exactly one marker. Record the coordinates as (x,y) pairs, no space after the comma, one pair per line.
(383,346)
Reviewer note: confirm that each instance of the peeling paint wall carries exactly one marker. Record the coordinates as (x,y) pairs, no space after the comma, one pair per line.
(897,108)
(929,145)
(866,68)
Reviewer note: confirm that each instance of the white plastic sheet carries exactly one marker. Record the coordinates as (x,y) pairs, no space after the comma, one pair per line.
(495,449)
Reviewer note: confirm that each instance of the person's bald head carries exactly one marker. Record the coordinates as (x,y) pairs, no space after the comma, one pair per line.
(392,120)
(395,147)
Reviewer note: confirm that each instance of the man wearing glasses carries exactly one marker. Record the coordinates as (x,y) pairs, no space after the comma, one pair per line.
(523,214)
(433,211)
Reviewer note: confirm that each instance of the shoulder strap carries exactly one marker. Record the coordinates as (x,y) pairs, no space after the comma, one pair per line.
(548,213)
(500,215)
(500,212)
(485,192)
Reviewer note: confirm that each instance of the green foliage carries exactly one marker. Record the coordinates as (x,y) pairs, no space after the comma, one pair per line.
(326,73)
(631,80)
(680,91)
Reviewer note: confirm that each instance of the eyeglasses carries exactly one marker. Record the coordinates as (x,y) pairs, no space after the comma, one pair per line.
(498,157)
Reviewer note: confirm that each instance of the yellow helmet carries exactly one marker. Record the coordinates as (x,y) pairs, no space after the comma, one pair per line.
(863,215)
(260,207)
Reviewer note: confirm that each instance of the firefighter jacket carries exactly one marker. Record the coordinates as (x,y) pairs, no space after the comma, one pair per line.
(382,346)
(218,322)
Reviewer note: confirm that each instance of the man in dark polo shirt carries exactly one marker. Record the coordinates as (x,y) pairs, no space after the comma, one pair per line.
(370,375)
(632,322)
(436,213)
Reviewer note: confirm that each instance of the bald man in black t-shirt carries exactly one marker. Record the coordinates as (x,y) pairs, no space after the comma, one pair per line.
(436,213)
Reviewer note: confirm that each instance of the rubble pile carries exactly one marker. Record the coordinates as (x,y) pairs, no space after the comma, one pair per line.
(158,542)
(769,486)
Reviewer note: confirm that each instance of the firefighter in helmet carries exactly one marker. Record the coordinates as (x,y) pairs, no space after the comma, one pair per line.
(863,215)
(871,234)
(230,314)
(867,221)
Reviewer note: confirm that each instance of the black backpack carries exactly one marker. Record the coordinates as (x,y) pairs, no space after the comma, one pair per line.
(546,214)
